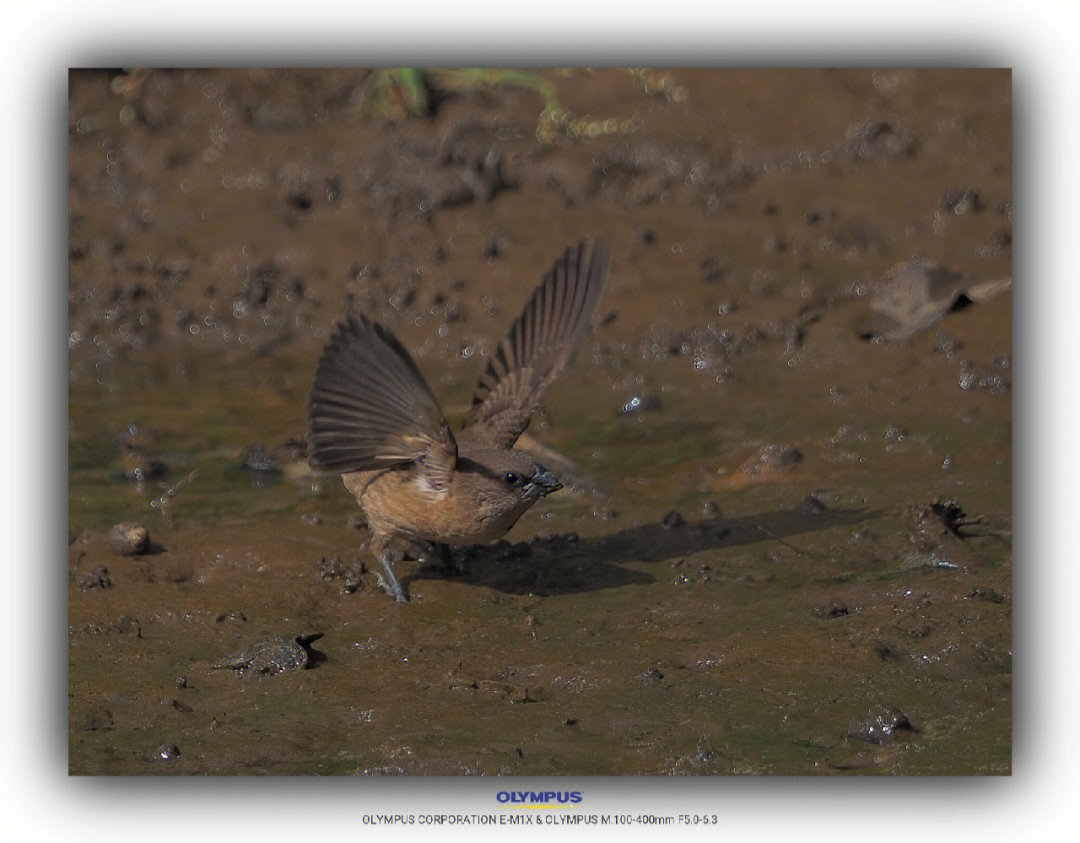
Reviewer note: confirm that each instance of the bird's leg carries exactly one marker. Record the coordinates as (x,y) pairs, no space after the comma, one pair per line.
(390,583)
(380,546)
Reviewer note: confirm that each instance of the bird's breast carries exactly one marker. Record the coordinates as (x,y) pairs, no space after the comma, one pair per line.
(398,501)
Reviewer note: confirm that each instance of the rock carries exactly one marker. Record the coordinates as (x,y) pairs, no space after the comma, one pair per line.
(129,539)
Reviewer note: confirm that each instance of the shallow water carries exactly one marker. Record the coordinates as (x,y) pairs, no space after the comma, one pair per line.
(684,606)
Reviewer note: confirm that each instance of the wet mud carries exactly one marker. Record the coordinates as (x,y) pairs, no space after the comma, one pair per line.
(784,541)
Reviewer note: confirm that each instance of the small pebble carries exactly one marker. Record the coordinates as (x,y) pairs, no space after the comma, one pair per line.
(168,751)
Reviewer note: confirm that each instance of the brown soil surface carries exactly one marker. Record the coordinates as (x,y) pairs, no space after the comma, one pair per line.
(785,542)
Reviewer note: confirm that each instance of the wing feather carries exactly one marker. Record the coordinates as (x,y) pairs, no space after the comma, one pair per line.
(538,346)
(370,407)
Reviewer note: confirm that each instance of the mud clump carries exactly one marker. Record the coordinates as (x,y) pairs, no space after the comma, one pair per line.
(991,595)
(880,726)
(350,575)
(127,625)
(97,578)
(257,459)
(832,609)
(274,655)
(514,692)
(931,525)
(772,460)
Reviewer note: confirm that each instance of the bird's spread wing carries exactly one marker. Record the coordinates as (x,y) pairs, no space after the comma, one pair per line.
(370,408)
(538,346)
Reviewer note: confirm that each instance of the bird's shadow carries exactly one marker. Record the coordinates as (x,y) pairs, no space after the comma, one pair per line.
(565,564)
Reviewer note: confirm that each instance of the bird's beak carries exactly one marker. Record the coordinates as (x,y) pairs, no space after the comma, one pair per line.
(542,482)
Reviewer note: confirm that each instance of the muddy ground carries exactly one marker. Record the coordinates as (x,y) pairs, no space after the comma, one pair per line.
(785,543)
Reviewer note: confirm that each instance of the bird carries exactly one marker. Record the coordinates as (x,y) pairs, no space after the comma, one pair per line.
(373,419)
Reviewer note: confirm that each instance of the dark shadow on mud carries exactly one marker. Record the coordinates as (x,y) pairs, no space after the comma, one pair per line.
(566,564)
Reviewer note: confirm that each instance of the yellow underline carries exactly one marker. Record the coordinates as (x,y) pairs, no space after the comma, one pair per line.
(541,807)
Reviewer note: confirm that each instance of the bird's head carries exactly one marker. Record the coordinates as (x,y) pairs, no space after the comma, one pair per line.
(501,484)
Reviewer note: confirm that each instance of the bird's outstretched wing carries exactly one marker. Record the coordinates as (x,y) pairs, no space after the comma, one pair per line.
(370,408)
(538,346)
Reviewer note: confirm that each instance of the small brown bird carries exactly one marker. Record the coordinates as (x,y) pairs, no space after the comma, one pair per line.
(373,419)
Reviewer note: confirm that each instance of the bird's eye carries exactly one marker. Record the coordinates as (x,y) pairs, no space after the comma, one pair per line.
(511,479)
